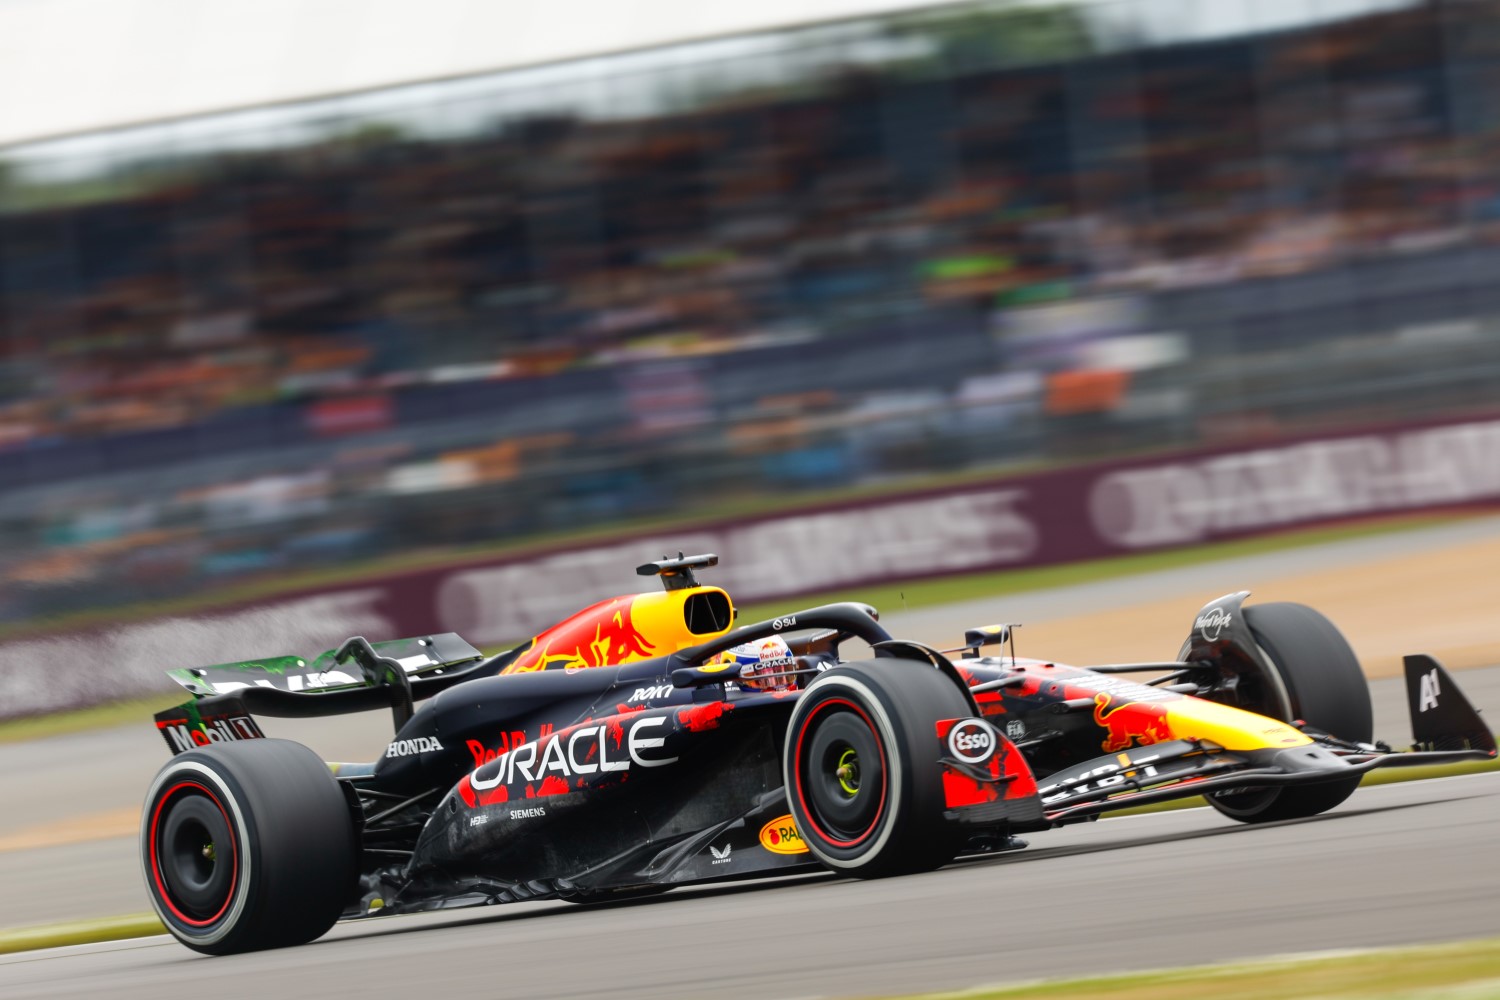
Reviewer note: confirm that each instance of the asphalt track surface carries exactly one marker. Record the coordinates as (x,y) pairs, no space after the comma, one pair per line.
(1396,864)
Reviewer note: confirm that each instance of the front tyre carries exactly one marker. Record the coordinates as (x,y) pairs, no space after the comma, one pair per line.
(247,845)
(1316,679)
(861,767)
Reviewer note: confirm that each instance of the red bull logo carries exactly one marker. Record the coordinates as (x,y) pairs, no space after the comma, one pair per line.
(508,741)
(1130,724)
(603,635)
(774,650)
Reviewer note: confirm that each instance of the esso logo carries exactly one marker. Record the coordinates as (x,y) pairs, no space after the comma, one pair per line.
(972,740)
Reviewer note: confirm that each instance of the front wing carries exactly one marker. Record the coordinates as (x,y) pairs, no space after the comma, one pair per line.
(1182,768)
(999,788)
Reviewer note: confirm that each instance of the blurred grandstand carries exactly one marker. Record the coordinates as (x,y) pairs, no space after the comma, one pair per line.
(966,237)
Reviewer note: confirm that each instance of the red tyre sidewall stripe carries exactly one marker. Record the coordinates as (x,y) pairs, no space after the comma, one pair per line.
(884,774)
(234,875)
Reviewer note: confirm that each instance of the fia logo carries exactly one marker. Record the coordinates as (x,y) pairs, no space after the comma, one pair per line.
(720,857)
(1427,692)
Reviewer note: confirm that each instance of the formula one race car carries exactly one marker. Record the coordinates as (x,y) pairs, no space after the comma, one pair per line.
(645,743)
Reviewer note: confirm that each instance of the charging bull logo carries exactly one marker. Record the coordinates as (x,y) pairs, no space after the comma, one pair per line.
(1130,724)
(601,636)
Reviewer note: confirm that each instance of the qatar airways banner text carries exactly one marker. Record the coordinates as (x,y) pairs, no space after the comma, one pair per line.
(1182,502)
(1059,516)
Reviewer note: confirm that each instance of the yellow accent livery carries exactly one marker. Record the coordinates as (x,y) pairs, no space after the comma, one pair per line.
(629,628)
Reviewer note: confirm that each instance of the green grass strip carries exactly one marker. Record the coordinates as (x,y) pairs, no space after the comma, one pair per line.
(1392,775)
(1469,970)
(80,932)
(119,713)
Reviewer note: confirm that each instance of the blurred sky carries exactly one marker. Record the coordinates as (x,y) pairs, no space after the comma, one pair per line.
(71,65)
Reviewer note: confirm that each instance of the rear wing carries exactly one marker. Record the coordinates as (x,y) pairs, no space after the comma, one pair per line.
(356,677)
(330,671)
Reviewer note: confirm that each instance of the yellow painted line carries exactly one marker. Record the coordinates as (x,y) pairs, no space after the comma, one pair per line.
(1466,970)
(77,830)
(79,932)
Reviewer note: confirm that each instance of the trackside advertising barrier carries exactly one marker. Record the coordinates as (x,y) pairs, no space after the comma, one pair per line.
(1062,515)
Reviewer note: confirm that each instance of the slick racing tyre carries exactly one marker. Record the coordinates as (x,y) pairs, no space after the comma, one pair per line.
(1317,679)
(247,845)
(861,767)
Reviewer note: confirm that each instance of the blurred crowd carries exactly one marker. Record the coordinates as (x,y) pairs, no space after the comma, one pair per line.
(292,353)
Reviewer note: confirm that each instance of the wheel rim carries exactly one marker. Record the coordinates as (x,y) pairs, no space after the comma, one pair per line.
(847,772)
(841,773)
(194,855)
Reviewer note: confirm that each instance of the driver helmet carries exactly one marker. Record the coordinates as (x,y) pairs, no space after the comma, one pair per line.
(765,664)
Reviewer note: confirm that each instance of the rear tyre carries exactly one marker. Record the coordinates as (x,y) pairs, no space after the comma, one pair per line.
(861,767)
(1317,680)
(246,846)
